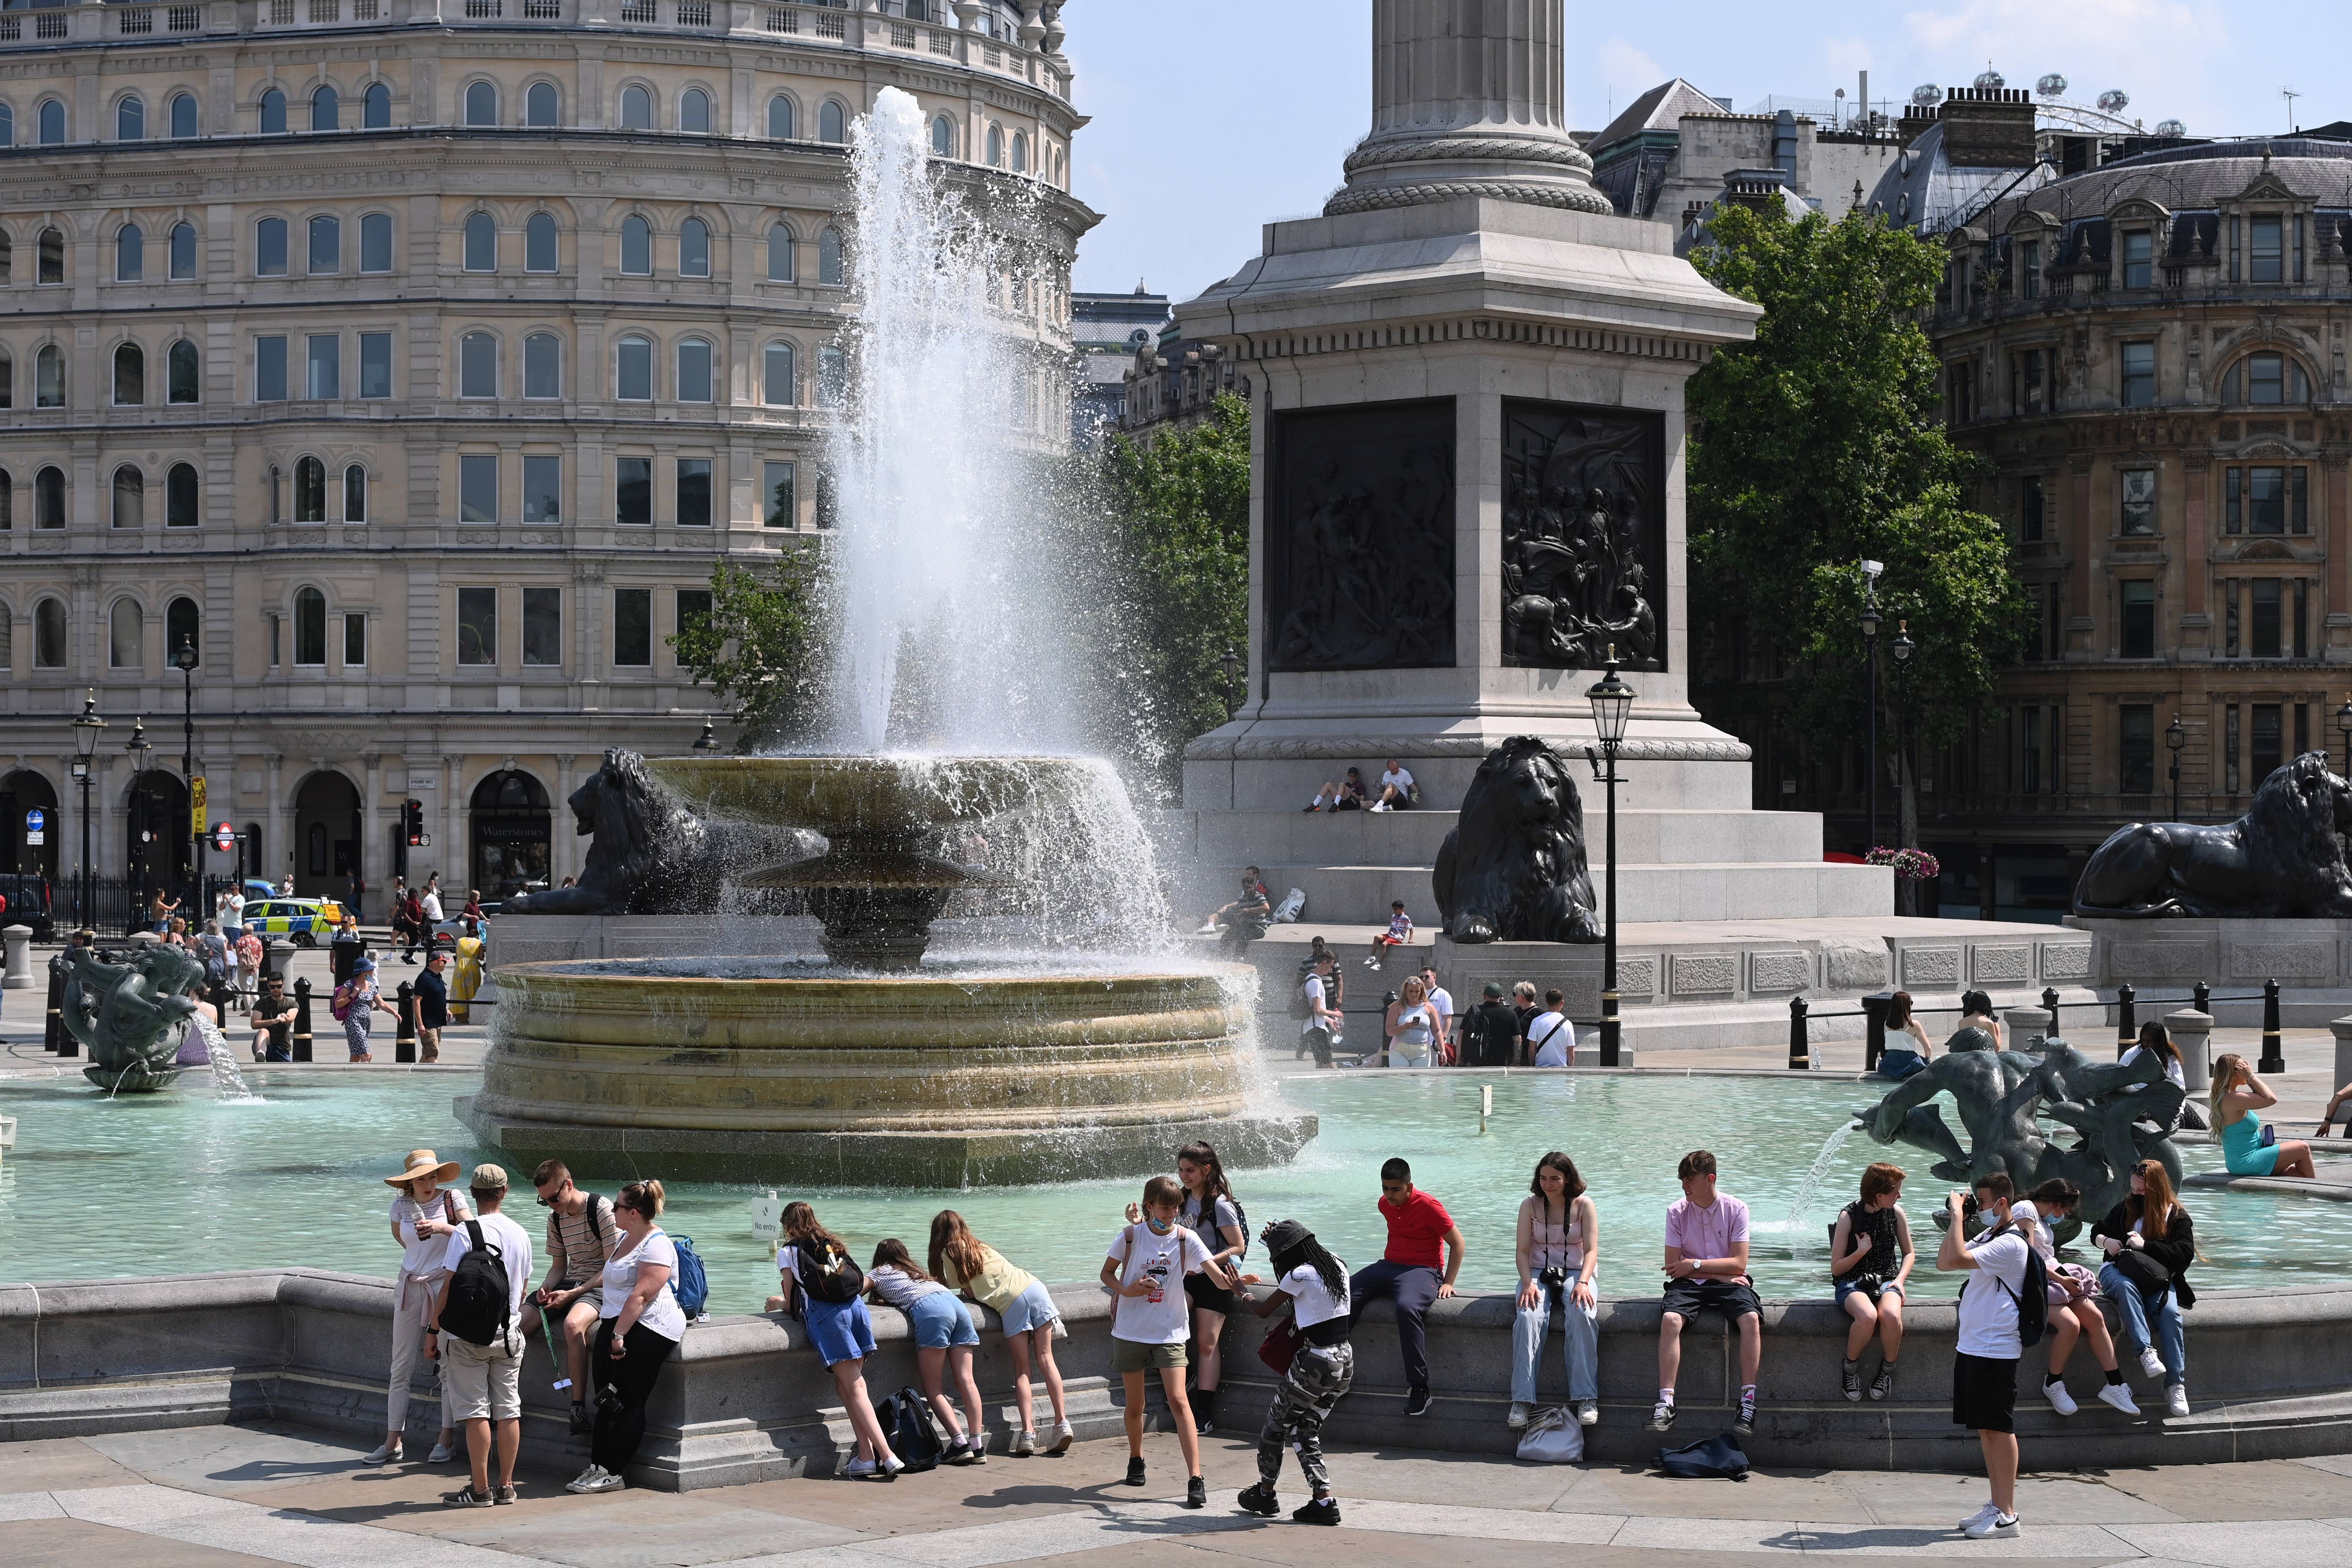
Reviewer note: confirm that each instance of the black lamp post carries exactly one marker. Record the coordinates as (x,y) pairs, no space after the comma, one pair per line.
(1613,704)
(1232,661)
(708,740)
(139,747)
(184,660)
(1870,571)
(2343,723)
(2175,737)
(85,729)
(1902,647)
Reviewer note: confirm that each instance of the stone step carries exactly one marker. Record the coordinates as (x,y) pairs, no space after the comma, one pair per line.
(1674,890)
(1227,841)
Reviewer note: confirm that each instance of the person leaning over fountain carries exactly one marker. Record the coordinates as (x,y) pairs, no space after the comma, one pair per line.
(423,1217)
(944,1341)
(827,1292)
(1984,1366)
(638,1326)
(2150,1242)
(1870,1263)
(1315,1284)
(1707,1266)
(1419,1227)
(1145,1272)
(1559,1251)
(481,1381)
(581,1234)
(961,1261)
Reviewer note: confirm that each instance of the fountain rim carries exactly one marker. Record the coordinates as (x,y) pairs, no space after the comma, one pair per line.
(571,971)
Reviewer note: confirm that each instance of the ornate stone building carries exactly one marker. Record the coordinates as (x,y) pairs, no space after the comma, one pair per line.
(416,360)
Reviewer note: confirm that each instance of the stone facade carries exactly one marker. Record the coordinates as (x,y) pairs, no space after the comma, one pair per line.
(419,367)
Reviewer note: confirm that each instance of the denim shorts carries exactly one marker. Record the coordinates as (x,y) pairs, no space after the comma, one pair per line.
(940,1321)
(1846,1288)
(840,1330)
(1033,1308)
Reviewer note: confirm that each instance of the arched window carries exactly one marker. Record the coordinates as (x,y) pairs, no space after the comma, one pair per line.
(693,371)
(694,249)
(182,373)
(184,116)
(49,378)
(831,122)
(130,497)
(542,365)
(376,243)
(831,376)
(481,243)
(481,103)
(49,634)
(779,118)
(50,497)
(2266,378)
(129,254)
(326,245)
(636,108)
(375,107)
(50,122)
(1020,153)
(828,258)
(310,626)
(270,248)
(355,493)
(633,367)
(326,109)
(779,254)
(183,251)
(995,147)
(694,112)
(273,112)
(477,365)
(538,243)
(129,376)
(780,380)
(130,119)
(126,630)
(943,137)
(541,107)
(51,267)
(309,493)
(180,499)
(181,628)
(636,246)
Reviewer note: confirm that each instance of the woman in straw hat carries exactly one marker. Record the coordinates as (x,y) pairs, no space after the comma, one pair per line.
(423,1217)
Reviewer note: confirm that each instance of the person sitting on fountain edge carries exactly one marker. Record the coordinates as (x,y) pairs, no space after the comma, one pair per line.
(1244,920)
(1707,1266)
(1419,1229)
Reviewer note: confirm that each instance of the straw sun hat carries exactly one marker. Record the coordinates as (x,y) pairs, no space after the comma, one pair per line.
(424,1163)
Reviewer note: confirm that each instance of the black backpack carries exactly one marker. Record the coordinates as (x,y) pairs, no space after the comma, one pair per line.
(1706,1459)
(479,1303)
(822,1268)
(2032,1301)
(906,1420)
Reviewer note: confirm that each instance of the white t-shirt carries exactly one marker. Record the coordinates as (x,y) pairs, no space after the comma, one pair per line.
(424,1252)
(1164,1317)
(431,902)
(665,1317)
(2023,1211)
(1311,1301)
(1988,1300)
(1551,1047)
(1400,781)
(1443,1000)
(892,1284)
(1316,997)
(233,910)
(2171,1067)
(514,1246)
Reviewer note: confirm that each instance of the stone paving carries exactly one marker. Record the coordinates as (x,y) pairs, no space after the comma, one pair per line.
(215,1495)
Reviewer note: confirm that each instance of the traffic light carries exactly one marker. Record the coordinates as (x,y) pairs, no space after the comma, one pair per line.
(412,821)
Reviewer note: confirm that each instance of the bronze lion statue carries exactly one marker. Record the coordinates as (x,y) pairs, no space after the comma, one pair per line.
(651,855)
(1513,868)
(2281,860)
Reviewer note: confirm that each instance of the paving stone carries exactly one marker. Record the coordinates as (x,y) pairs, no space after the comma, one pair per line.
(2266,1491)
(76,1544)
(50,1463)
(230,1460)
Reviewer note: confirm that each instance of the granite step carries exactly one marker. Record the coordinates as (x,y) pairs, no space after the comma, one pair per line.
(1671,890)
(1227,841)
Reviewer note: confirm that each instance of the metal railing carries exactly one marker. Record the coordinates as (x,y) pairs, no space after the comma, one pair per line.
(1874,1009)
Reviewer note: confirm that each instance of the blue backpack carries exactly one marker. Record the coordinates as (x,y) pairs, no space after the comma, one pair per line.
(687,1282)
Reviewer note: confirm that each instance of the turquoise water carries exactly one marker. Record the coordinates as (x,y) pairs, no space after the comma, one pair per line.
(181,1182)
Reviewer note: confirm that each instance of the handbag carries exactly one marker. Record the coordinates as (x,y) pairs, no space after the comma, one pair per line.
(1280,1346)
(2142,1271)
(1552,1438)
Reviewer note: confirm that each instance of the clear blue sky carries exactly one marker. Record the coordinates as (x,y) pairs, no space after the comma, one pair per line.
(1210,117)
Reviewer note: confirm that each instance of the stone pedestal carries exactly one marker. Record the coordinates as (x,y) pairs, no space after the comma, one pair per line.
(2310,959)
(19,974)
(2192,1035)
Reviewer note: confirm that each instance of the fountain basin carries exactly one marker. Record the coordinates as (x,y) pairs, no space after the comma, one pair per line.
(951,1076)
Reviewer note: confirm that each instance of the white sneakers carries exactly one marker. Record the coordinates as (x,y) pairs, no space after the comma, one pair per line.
(594,1478)
(2060,1400)
(1025,1444)
(386,1453)
(1063,1437)
(442,1454)
(2152,1363)
(2176,1400)
(1990,1523)
(1588,1412)
(2119,1395)
(1517,1419)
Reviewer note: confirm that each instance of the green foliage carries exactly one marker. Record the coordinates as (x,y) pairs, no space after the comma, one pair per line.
(1817,447)
(759,649)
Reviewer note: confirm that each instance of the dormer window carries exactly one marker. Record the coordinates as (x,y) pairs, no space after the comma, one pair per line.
(2029,269)
(2139,258)
(2265,249)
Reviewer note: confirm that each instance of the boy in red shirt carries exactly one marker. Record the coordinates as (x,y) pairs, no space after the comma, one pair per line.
(1421,1234)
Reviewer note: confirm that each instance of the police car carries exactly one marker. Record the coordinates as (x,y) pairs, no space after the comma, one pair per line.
(306,922)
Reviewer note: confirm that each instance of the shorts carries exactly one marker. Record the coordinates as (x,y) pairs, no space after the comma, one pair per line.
(1207,1296)
(1127,1356)
(1984,1392)
(837,1331)
(1734,1299)
(940,1321)
(1033,1308)
(428,1043)
(1871,1287)
(481,1382)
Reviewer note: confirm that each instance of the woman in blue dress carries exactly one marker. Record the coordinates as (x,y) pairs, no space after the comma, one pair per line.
(2247,1147)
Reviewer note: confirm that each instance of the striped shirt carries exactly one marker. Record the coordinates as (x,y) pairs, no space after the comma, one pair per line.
(578,1245)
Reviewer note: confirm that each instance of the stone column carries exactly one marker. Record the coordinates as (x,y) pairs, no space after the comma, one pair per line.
(2191,1033)
(564,853)
(2196,570)
(273,849)
(374,842)
(2079,534)
(2342,1030)
(2338,617)
(452,861)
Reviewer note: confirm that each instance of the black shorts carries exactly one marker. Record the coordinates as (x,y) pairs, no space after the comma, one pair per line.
(1733,1298)
(1207,1296)
(1984,1393)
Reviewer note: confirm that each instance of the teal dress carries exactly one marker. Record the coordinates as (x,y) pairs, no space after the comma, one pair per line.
(2242,1150)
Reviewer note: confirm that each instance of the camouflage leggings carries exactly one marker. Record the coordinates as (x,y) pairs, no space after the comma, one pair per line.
(1319,1375)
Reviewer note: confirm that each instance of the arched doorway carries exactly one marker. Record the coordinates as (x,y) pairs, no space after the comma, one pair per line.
(512,832)
(156,833)
(325,838)
(20,793)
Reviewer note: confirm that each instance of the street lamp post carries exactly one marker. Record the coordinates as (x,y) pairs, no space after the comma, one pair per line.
(708,740)
(184,660)
(85,729)
(1232,661)
(1613,704)
(140,747)
(1902,649)
(2175,737)
(1870,572)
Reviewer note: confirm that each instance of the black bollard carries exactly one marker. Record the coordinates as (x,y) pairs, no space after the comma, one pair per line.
(302,1019)
(2202,998)
(216,997)
(2273,1053)
(1800,1050)
(60,1041)
(1875,1007)
(404,1039)
(2050,1001)
(2127,1028)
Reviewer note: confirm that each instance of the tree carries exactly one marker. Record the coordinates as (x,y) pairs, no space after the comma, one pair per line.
(1819,446)
(759,647)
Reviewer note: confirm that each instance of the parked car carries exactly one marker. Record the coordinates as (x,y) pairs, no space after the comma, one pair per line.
(25,901)
(306,922)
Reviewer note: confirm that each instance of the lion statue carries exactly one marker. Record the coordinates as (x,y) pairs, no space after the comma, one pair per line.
(1513,868)
(130,1017)
(651,855)
(2282,861)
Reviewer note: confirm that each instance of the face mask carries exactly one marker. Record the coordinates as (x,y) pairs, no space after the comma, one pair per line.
(1159,1226)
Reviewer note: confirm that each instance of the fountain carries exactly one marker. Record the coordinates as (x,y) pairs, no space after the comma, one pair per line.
(131,1017)
(890,1064)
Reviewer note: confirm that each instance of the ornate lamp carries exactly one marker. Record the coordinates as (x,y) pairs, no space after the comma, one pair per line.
(86,731)
(1612,705)
(2175,737)
(709,742)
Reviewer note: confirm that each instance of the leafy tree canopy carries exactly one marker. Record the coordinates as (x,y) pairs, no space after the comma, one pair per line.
(759,647)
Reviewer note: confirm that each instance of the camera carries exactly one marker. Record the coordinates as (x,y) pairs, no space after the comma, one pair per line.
(1554,1279)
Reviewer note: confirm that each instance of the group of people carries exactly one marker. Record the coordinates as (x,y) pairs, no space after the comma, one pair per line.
(1397,791)
(1420,1027)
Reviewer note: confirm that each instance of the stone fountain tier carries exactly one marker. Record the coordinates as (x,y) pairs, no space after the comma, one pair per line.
(783,1072)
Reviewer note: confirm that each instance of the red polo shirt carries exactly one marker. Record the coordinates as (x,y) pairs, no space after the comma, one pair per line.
(1417,1230)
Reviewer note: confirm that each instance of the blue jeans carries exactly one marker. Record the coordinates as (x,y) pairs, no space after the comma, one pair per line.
(2131,1311)
(1579,1336)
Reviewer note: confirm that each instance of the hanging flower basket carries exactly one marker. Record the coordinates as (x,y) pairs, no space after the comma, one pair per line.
(1911,865)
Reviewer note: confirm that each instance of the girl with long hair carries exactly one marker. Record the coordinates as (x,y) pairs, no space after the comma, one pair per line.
(637,1327)
(2237,1094)
(2150,1242)
(1901,1061)
(1412,1025)
(1209,1212)
(2074,1312)
(944,1338)
(1558,1249)
(1314,1285)
(821,1284)
(961,1261)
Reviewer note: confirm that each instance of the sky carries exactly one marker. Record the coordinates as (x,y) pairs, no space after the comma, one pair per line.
(1213,117)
